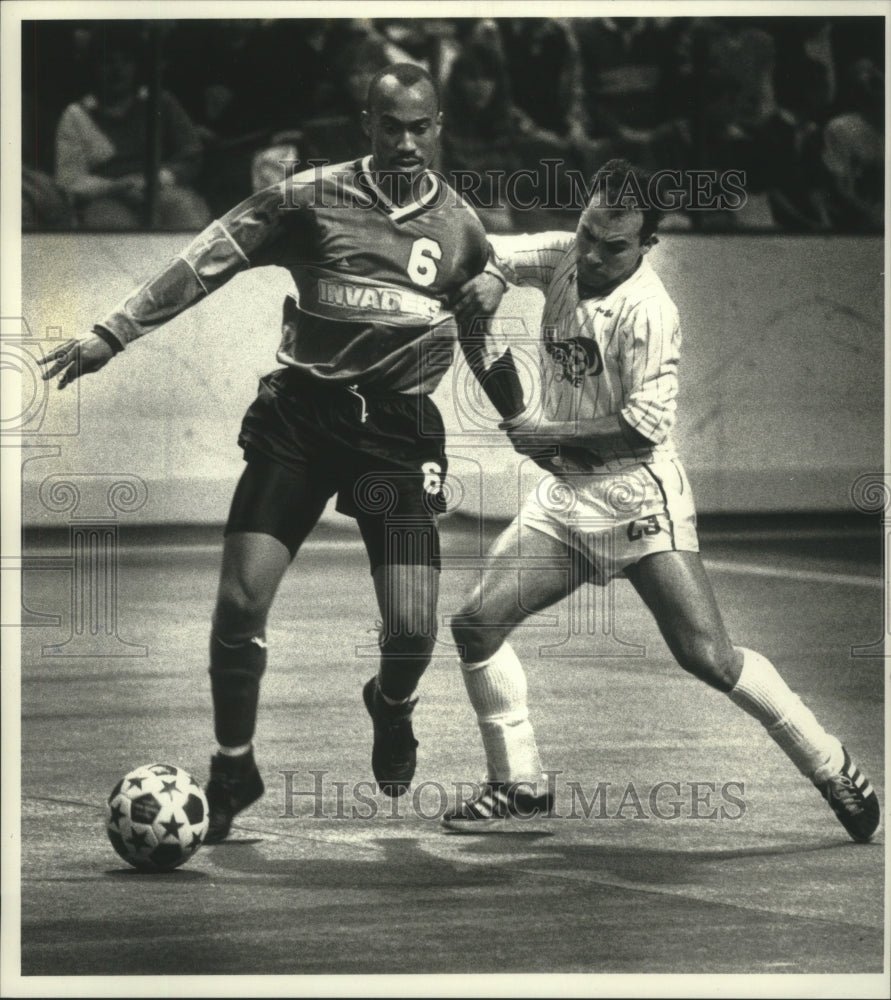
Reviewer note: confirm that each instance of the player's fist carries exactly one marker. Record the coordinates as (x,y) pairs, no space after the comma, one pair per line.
(76,358)
(522,432)
(477,298)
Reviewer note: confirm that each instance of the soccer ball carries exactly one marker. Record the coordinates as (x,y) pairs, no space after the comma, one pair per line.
(156,817)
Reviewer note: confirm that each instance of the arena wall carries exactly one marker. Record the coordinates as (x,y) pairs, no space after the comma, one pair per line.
(781,395)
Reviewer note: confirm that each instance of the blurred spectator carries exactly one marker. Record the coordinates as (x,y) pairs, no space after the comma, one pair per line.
(629,67)
(761,95)
(334,133)
(739,126)
(44,204)
(631,88)
(48,48)
(487,137)
(736,60)
(245,81)
(239,76)
(101,146)
(414,39)
(54,73)
(805,78)
(544,70)
(853,154)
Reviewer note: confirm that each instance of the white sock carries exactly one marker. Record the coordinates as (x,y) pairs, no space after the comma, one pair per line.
(235,751)
(762,693)
(497,690)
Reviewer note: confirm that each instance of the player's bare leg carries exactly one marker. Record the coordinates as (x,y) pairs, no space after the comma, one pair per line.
(407,596)
(252,569)
(494,677)
(676,589)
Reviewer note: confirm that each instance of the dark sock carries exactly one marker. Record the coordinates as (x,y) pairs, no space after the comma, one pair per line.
(235,672)
(399,676)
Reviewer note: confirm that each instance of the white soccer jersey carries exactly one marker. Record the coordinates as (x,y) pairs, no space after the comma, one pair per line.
(615,353)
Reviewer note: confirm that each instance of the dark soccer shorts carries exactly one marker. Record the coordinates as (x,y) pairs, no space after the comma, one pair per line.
(383,454)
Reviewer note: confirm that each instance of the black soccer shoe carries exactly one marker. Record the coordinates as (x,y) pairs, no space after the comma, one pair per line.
(394,754)
(852,798)
(234,784)
(497,801)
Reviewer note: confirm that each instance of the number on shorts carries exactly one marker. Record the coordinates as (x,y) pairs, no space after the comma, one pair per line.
(421,264)
(432,477)
(643,526)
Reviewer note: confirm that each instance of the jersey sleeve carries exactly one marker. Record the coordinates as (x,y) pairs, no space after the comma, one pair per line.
(251,234)
(531,260)
(650,368)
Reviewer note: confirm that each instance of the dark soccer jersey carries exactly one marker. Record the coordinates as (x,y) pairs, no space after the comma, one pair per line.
(373,280)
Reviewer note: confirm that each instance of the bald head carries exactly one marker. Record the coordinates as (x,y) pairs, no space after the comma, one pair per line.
(400,76)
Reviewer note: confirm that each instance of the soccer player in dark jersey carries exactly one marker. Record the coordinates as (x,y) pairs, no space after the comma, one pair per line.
(378,249)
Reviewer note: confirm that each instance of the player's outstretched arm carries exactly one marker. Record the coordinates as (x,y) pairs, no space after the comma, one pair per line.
(77,357)
(243,238)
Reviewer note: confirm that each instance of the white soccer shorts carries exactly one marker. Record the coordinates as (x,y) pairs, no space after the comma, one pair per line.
(614,519)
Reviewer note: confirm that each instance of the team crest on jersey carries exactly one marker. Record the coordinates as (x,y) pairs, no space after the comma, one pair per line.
(576,359)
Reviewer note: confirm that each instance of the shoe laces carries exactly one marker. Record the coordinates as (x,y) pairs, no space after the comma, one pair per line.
(842,790)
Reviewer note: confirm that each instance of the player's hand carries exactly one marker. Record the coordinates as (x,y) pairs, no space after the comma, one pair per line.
(76,358)
(477,298)
(525,433)
(530,423)
(534,435)
(533,447)
(550,444)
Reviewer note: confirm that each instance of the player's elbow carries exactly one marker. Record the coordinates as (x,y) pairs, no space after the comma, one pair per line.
(644,435)
(638,441)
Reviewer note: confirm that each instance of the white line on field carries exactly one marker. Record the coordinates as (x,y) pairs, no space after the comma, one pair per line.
(787,573)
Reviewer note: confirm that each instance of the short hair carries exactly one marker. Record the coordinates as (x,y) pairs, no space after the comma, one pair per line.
(626,187)
(408,74)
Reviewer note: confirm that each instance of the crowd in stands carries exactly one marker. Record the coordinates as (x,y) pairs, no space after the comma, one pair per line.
(794,103)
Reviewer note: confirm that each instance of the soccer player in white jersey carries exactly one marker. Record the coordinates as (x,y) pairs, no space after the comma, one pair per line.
(615,501)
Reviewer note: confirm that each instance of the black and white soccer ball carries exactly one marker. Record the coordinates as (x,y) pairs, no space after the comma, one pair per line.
(156,817)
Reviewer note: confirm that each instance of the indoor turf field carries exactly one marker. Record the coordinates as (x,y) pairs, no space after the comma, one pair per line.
(736,867)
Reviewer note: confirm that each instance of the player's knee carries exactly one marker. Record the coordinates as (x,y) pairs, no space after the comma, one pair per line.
(476,638)
(240,612)
(713,660)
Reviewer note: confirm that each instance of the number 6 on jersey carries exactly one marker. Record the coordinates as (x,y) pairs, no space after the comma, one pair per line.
(421,263)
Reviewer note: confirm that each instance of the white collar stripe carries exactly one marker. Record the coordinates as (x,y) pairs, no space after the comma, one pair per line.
(413,206)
